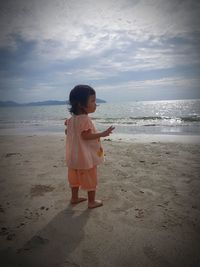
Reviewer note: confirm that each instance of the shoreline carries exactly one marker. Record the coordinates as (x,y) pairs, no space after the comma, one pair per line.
(161,138)
(150,217)
(130,138)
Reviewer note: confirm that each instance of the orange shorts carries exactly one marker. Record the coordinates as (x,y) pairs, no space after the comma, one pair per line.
(86,179)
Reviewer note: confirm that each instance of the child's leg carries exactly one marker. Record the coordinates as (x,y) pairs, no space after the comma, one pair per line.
(74,184)
(92,203)
(75,199)
(88,181)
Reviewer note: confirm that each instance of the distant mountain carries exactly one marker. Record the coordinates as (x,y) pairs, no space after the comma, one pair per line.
(100,100)
(41,103)
(45,103)
(8,104)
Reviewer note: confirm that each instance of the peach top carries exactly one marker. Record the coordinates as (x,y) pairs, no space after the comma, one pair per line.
(82,154)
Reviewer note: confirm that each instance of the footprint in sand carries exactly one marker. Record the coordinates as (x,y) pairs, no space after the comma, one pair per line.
(30,214)
(2,209)
(7,232)
(12,154)
(21,224)
(120,173)
(4,231)
(10,236)
(140,213)
(126,165)
(40,190)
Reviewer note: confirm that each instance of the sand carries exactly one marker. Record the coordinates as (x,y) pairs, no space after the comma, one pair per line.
(150,217)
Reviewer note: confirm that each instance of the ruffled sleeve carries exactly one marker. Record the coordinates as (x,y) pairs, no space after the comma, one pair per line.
(85,124)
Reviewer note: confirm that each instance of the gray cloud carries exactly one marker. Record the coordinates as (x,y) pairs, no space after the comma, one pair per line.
(66,42)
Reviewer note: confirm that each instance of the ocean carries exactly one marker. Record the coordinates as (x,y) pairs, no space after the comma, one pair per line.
(168,117)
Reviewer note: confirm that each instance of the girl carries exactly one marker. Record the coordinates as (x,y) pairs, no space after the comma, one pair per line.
(83,147)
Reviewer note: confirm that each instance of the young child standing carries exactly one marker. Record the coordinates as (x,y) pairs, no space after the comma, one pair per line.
(83,147)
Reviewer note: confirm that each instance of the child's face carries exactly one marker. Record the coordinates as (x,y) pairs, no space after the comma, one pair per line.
(91,104)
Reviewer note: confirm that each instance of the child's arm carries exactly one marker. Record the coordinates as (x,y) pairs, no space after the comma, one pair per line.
(87,135)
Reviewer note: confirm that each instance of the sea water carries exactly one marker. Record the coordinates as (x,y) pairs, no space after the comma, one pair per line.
(177,117)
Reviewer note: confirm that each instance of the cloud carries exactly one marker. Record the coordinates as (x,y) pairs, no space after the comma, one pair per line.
(152,89)
(55,44)
(66,21)
(178,82)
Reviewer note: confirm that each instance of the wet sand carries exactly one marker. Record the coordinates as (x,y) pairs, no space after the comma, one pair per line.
(150,217)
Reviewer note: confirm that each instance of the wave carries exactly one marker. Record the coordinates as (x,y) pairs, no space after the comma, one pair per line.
(150,120)
(191,118)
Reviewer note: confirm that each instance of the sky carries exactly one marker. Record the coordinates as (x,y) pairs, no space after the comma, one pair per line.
(127,50)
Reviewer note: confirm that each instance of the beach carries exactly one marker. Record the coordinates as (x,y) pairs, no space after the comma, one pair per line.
(150,217)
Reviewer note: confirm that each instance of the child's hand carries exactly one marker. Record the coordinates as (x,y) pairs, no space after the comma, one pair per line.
(107,132)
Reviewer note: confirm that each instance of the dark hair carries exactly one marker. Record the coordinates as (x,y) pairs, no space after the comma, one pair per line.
(78,98)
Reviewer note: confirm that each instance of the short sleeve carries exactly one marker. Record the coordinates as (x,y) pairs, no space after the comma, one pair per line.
(85,124)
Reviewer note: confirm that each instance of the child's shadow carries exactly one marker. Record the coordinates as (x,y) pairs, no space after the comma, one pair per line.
(52,245)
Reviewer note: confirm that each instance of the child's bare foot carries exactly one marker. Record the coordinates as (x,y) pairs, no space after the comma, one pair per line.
(95,204)
(78,200)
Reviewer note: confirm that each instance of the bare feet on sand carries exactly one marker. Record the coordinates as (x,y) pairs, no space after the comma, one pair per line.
(78,200)
(95,204)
